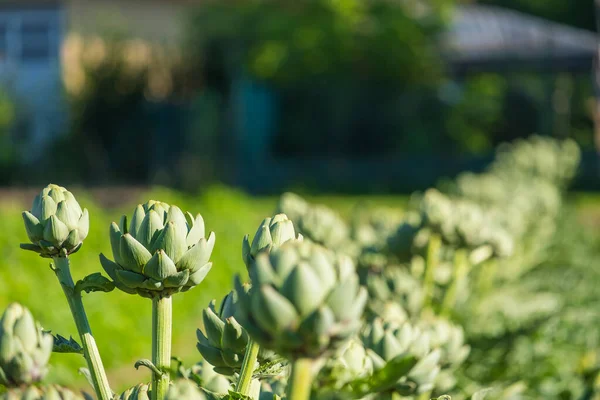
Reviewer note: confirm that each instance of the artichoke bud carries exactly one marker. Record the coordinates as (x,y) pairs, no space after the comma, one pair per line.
(141,391)
(24,348)
(50,392)
(386,341)
(351,362)
(56,223)
(272,233)
(159,251)
(223,341)
(183,389)
(304,301)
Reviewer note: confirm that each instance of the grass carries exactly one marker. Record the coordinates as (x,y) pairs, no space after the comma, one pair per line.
(121,322)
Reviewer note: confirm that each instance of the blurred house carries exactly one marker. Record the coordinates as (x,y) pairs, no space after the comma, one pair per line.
(31,33)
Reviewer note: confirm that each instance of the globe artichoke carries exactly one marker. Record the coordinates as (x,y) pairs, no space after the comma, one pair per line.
(450,340)
(304,300)
(394,294)
(184,389)
(224,343)
(56,223)
(209,379)
(162,251)
(138,392)
(24,348)
(272,233)
(51,392)
(316,222)
(387,341)
(350,363)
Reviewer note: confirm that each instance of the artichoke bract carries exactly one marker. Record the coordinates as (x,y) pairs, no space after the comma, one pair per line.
(304,301)
(223,344)
(51,392)
(183,389)
(272,233)
(56,223)
(386,341)
(351,362)
(160,252)
(140,391)
(24,348)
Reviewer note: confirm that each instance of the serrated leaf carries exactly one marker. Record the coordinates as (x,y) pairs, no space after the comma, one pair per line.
(64,345)
(384,378)
(94,283)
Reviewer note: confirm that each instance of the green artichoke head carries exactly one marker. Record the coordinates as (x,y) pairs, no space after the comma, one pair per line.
(386,341)
(50,392)
(183,389)
(305,300)
(24,348)
(394,294)
(317,222)
(350,362)
(140,391)
(272,233)
(209,379)
(160,251)
(223,342)
(56,223)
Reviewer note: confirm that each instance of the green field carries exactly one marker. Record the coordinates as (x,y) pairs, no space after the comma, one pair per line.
(121,322)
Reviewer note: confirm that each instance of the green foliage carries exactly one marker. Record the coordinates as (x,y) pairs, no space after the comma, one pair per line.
(288,42)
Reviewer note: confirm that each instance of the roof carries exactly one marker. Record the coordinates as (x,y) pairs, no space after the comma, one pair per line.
(487,37)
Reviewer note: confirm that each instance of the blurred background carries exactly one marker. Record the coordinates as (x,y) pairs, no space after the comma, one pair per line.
(220,106)
(371,96)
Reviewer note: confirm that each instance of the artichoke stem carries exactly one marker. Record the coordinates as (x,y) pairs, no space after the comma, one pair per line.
(487,275)
(433,259)
(90,350)
(245,379)
(300,382)
(459,273)
(425,395)
(162,324)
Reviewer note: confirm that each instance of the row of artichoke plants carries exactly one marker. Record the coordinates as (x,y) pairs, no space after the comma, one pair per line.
(332,310)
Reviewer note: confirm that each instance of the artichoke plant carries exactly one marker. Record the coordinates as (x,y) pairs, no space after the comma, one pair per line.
(184,389)
(51,392)
(304,300)
(24,348)
(394,294)
(449,338)
(351,362)
(162,251)
(140,391)
(56,223)
(223,344)
(317,222)
(272,233)
(386,341)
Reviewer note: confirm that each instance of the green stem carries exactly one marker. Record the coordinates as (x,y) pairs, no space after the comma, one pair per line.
(433,258)
(487,275)
(245,379)
(90,350)
(300,381)
(162,324)
(459,272)
(425,396)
